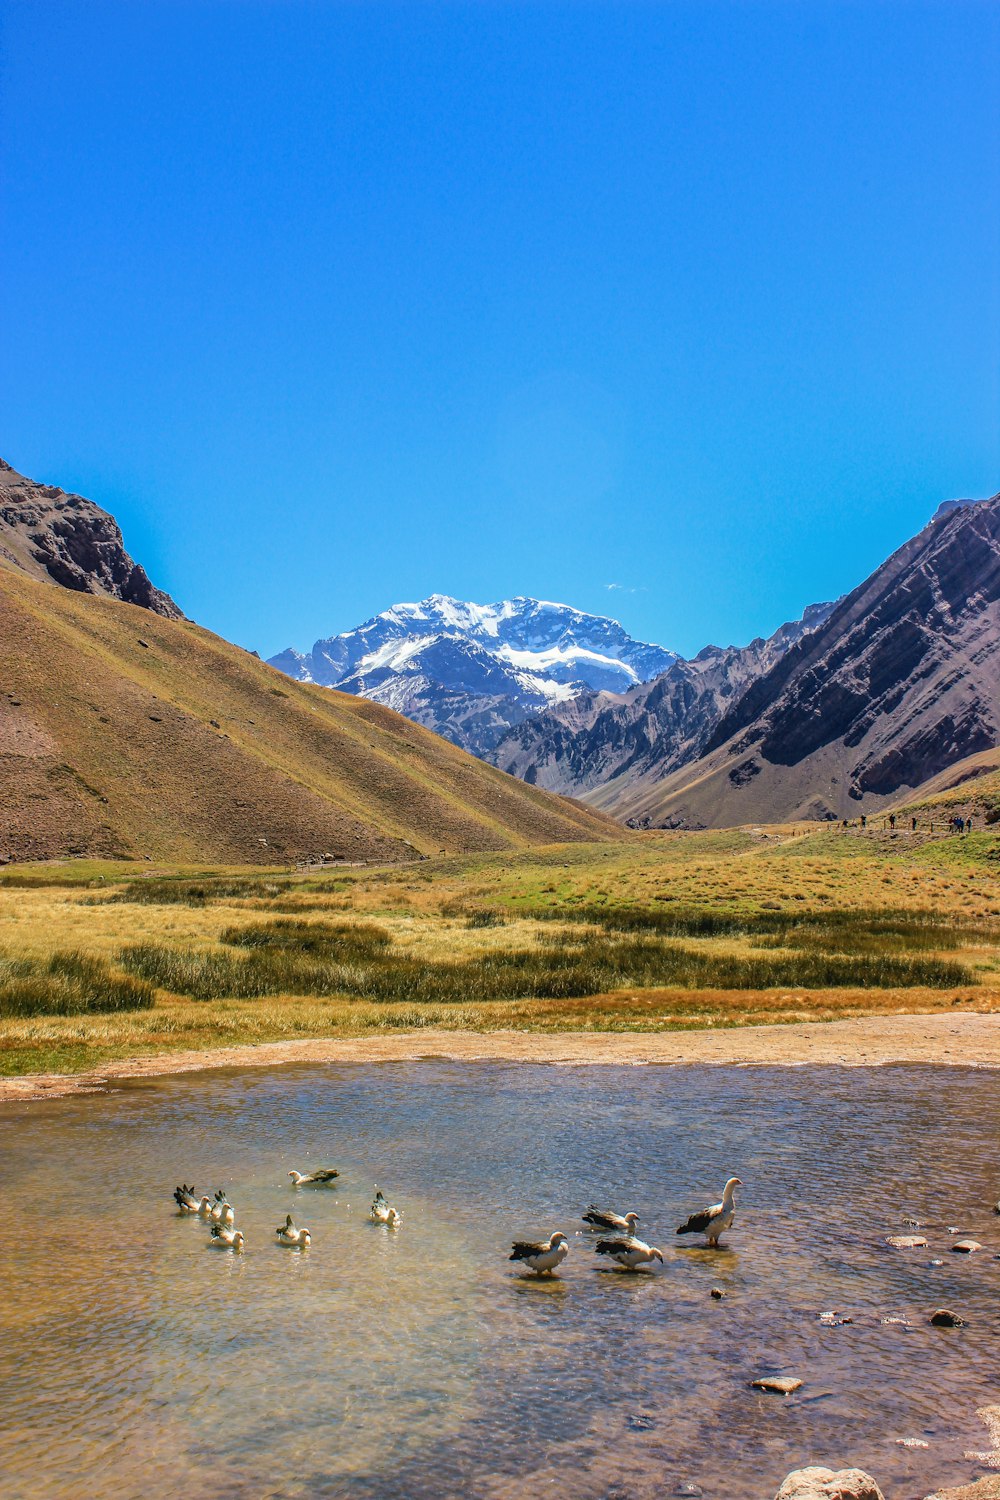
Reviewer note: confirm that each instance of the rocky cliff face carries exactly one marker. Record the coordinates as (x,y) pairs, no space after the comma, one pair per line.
(65,539)
(899,682)
(649,731)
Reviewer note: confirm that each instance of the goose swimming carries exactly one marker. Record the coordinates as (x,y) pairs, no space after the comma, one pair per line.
(714,1220)
(630,1252)
(225,1237)
(221,1211)
(288,1234)
(382,1213)
(314,1179)
(186,1199)
(542,1256)
(599,1218)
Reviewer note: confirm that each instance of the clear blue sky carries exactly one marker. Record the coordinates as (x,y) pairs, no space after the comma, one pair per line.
(339,304)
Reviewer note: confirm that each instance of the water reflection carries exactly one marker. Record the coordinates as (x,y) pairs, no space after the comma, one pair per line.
(420,1362)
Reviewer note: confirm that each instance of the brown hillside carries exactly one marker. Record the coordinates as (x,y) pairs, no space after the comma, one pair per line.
(126,733)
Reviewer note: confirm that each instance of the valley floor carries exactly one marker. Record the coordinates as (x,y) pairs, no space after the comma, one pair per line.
(665,947)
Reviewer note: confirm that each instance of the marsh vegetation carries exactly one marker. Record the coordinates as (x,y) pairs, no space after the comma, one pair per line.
(664,931)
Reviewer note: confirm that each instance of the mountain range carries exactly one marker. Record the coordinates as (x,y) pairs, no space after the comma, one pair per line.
(126,729)
(855,703)
(472,671)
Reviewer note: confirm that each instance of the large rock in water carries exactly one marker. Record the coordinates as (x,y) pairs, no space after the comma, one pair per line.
(824,1484)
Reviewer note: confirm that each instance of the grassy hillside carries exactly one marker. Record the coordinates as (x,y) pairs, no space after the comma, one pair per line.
(970,787)
(126,735)
(661,931)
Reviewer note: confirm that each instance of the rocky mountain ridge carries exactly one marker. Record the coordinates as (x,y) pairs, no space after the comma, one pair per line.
(901,680)
(651,730)
(62,538)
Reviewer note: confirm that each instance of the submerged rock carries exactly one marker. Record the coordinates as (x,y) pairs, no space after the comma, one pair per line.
(966,1247)
(825,1484)
(717,1293)
(983,1489)
(942,1318)
(905,1241)
(911,1443)
(778,1385)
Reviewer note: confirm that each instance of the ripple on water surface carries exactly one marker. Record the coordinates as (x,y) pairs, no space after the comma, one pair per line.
(419,1363)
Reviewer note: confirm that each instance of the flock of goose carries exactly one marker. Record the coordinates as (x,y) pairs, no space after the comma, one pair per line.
(540,1256)
(218,1213)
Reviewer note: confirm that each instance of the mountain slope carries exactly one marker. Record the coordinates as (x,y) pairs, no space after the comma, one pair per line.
(471,671)
(62,538)
(900,682)
(650,731)
(124,732)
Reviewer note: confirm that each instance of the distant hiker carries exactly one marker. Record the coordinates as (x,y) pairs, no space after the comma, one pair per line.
(968,825)
(913,824)
(892,820)
(864,820)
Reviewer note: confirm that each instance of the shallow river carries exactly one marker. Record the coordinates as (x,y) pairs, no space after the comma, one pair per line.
(137,1361)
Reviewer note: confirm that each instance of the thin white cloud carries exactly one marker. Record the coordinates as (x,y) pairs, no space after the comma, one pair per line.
(626,588)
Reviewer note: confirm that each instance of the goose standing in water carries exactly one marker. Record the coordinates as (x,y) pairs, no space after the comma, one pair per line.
(603,1219)
(225,1237)
(542,1256)
(321,1176)
(714,1220)
(187,1200)
(288,1234)
(630,1253)
(382,1213)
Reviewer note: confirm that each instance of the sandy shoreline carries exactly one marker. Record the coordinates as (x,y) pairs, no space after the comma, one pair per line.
(870,1041)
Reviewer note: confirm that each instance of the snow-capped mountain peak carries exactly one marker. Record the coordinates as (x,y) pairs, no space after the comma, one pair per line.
(470,670)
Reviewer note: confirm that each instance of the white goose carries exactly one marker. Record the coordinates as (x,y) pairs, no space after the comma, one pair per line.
(630,1253)
(319,1178)
(225,1237)
(382,1213)
(288,1234)
(599,1219)
(714,1220)
(542,1256)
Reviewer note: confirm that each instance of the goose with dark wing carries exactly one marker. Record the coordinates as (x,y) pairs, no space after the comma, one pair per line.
(717,1218)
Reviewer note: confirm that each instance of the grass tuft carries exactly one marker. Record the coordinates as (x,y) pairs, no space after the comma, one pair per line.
(68,984)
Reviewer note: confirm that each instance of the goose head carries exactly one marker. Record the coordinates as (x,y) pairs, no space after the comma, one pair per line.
(731,1186)
(631,1220)
(657,1254)
(238,1240)
(296,1177)
(558,1239)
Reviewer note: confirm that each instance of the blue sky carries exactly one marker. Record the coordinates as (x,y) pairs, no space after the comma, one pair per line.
(339,304)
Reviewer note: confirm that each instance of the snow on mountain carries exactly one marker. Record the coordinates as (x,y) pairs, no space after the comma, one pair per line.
(472,671)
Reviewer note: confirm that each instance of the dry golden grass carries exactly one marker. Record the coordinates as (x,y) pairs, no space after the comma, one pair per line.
(425,907)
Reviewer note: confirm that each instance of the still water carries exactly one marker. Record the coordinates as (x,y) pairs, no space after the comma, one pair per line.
(138,1361)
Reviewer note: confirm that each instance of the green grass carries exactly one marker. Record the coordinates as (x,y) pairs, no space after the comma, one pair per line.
(288,958)
(69,984)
